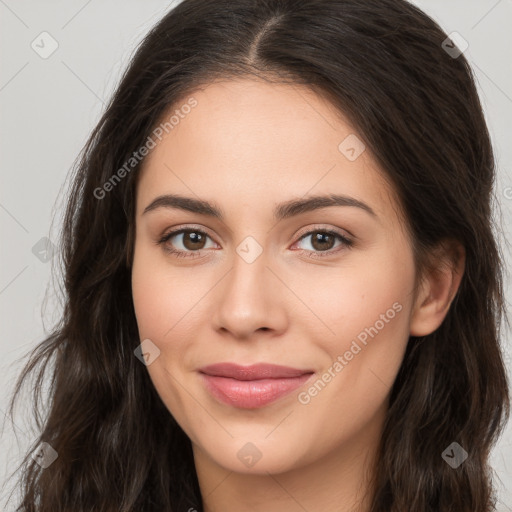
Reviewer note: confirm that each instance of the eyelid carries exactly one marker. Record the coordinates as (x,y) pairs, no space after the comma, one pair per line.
(304,232)
(297,235)
(187,227)
(322,227)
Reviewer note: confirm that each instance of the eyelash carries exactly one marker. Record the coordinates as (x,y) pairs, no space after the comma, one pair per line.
(311,254)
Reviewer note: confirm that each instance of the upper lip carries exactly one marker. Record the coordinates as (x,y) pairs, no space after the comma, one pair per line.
(252,372)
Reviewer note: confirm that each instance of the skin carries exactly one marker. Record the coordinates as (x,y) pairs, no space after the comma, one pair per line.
(247,146)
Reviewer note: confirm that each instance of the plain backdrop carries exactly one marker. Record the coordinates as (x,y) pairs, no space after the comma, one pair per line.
(49,105)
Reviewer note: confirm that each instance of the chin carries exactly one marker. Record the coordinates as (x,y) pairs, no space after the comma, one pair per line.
(257,457)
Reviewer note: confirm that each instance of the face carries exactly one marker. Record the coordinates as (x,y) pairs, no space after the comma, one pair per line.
(327,291)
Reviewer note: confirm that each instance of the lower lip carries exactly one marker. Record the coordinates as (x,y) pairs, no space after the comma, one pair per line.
(251,394)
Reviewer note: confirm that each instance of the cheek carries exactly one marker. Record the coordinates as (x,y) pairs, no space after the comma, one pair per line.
(162,295)
(151,302)
(163,300)
(369,299)
(367,311)
(169,305)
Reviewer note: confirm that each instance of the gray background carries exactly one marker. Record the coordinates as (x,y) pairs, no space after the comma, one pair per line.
(49,106)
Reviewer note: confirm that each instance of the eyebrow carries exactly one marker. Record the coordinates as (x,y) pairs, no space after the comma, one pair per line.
(282,211)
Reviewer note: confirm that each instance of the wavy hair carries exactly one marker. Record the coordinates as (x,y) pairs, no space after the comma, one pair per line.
(382,65)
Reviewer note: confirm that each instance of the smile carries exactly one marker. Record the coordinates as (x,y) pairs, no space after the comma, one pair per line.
(251,387)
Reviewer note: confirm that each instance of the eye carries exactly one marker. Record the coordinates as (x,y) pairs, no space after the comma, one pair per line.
(322,241)
(193,242)
(192,239)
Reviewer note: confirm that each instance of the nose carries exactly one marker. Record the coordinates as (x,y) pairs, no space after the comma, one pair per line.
(251,297)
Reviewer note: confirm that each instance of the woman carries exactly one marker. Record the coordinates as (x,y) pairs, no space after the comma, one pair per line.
(283,287)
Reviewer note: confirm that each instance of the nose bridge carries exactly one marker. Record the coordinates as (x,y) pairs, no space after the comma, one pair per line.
(248,279)
(249,299)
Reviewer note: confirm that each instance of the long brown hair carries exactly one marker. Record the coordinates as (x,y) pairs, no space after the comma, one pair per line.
(383,65)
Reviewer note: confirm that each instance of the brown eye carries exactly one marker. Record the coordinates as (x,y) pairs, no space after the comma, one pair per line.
(193,240)
(191,244)
(323,243)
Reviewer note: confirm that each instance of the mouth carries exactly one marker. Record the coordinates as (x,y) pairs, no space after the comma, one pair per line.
(251,387)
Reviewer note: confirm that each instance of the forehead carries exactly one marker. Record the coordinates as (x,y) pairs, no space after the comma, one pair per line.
(252,142)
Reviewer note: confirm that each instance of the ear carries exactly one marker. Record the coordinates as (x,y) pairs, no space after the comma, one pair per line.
(438,288)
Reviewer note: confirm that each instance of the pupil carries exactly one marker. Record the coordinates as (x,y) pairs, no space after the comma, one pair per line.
(321,238)
(196,239)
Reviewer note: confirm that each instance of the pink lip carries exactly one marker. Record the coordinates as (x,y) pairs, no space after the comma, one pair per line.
(251,387)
